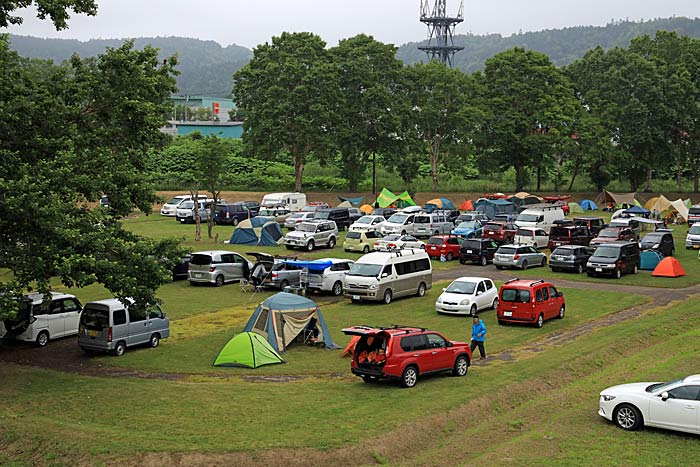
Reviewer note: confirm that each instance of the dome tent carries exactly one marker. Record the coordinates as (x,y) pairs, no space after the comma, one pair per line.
(650,259)
(439,203)
(669,267)
(258,232)
(248,350)
(588,205)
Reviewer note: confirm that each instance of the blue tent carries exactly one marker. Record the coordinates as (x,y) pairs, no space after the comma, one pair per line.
(638,210)
(354,201)
(438,203)
(257,231)
(588,205)
(650,259)
(491,207)
(283,317)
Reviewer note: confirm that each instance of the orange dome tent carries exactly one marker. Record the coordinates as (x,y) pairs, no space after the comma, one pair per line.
(367,209)
(669,267)
(466,206)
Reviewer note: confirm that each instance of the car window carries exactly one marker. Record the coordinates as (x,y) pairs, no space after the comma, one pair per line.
(387,270)
(545,293)
(436,342)
(70,305)
(136,315)
(689,393)
(155,312)
(56,308)
(410,343)
(227,258)
(237,259)
(553,292)
(538,295)
(489,284)
(119,317)
(515,295)
(481,288)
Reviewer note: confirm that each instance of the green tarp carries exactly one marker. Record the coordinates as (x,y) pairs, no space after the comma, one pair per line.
(386,198)
(248,350)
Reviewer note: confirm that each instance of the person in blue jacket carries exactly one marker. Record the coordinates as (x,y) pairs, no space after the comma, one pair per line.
(478,336)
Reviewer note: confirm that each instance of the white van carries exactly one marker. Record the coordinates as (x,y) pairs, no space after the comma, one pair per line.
(170,208)
(540,217)
(39,321)
(291,201)
(383,276)
(399,223)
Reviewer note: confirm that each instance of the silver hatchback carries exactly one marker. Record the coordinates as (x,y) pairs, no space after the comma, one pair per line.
(518,256)
(217,267)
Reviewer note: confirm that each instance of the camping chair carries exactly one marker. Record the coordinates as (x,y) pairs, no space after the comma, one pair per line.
(309,335)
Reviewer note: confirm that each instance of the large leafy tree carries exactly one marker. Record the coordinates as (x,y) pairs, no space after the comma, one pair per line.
(71,133)
(58,11)
(287,94)
(369,106)
(530,112)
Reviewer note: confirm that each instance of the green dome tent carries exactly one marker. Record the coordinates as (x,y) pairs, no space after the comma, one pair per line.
(386,198)
(247,350)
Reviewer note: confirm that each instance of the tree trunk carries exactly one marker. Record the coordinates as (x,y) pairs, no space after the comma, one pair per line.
(679,179)
(696,179)
(434,169)
(539,178)
(212,211)
(298,172)
(650,177)
(194,194)
(519,177)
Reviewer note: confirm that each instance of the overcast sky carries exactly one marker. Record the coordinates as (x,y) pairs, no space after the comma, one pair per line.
(252,22)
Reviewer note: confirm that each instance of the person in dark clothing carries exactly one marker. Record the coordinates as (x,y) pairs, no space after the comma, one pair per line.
(478,336)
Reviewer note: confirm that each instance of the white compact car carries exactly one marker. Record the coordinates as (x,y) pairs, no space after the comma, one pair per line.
(531,236)
(39,321)
(398,242)
(328,275)
(673,405)
(170,208)
(467,296)
(367,224)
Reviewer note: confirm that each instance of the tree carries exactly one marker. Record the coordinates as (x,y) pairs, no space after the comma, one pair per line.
(286,92)
(369,106)
(210,166)
(70,134)
(57,11)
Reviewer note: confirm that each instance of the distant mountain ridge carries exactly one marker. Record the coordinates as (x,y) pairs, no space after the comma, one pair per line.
(207,68)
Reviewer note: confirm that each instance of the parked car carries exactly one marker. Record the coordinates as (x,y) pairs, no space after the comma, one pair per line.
(232,214)
(673,405)
(309,235)
(468,296)
(181,268)
(660,240)
(331,278)
(436,223)
(518,256)
(315,206)
(341,216)
(471,216)
(444,245)
(40,320)
(507,218)
(692,239)
(361,241)
(468,229)
(404,353)
(399,223)
(614,258)
(571,235)
(185,212)
(290,201)
(529,302)
(478,250)
(217,267)
(594,224)
(296,218)
(628,223)
(169,208)
(367,223)
(110,326)
(613,234)
(273,271)
(500,232)
(397,242)
(570,258)
(355,215)
(384,212)
(693,215)
(531,236)
(278,215)
(541,216)
(383,276)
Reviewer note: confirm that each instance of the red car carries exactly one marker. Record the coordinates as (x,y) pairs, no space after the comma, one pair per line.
(447,245)
(500,231)
(613,234)
(403,353)
(531,302)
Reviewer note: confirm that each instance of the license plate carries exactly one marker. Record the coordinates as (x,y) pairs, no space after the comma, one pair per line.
(433,248)
(598,269)
(508,313)
(355,297)
(469,252)
(92,333)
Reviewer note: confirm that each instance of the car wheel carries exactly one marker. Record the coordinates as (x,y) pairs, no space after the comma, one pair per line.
(618,273)
(337,289)
(501,323)
(365,250)
(473,310)
(154,340)
(554,269)
(628,417)
(579,268)
(540,321)
(235,221)
(369,379)
(284,284)
(42,339)
(437,232)
(499,267)
(387,296)
(484,261)
(462,261)
(403,232)
(461,366)
(331,243)
(289,247)
(409,377)
(562,312)
(544,261)
(219,280)
(119,349)
(421,289)
(311,245)
(590,274)
(524,265)
(494,305)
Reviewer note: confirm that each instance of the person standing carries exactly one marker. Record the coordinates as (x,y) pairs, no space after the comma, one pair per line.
(478,337)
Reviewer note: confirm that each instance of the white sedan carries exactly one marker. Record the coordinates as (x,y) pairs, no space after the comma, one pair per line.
(398,242)
(467,296)
(367,224)
(674,405)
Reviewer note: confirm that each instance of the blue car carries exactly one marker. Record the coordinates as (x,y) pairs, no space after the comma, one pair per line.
(468,229)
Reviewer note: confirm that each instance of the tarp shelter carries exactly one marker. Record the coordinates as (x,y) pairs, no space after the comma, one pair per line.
(248,350)
(650,204)
(366,208)
(353,201)
(575,208)
(617,199)
(663,204)
(350,348)
(386,198)
(284,316)
(637,211)
(439,203)
(345,204)
(318,265)
(466,206)
(491,207)
(258,232)
(650,259)
(669,267)
(588,205)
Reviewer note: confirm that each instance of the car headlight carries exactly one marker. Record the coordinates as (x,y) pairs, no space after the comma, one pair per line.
(439,300)
(607,398)
(464,303)
(373,287)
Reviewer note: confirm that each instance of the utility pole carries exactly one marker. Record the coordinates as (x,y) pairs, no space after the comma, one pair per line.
(441,30)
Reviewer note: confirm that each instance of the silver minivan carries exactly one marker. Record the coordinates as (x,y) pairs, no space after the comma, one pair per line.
(427,225)
(110,326)
(217,267)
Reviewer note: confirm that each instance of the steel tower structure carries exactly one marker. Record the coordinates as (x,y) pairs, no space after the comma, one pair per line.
(441,30)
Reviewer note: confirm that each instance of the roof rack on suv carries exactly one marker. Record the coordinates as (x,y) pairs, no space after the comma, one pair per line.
(541,281)
(511,280)
(401,326)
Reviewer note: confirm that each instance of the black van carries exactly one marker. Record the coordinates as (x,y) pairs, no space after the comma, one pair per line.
(341,216)
(615,259)
(477,250)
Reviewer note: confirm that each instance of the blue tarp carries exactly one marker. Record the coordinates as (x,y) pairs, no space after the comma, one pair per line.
(637,210)
(650,259)
(317,265)
(353,201)
(588,205)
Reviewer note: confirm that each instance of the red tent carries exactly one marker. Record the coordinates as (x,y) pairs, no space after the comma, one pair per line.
(350,349)
(669,267)
(466,206)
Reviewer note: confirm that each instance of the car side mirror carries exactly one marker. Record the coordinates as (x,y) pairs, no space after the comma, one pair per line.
(386,274)
(664,396)
(449,344)
(444,290)
(560,294)
(479,293)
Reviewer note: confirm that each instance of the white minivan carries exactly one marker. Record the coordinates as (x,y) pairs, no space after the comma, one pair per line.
(399,223)
(383,276)
(40,321)
(291,201)
(540,217)
(170,208)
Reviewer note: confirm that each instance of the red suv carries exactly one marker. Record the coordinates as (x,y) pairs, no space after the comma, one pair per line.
(500,231)
(527,301)
(447,245)
(403,353)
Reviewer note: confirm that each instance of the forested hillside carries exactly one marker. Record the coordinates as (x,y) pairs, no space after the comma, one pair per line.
(205,67)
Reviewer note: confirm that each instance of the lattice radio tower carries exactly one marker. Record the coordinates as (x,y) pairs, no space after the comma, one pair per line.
(441,30)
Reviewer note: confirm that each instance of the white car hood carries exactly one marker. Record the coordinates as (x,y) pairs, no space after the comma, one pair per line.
(631,388)
(455,297)
(298,234)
